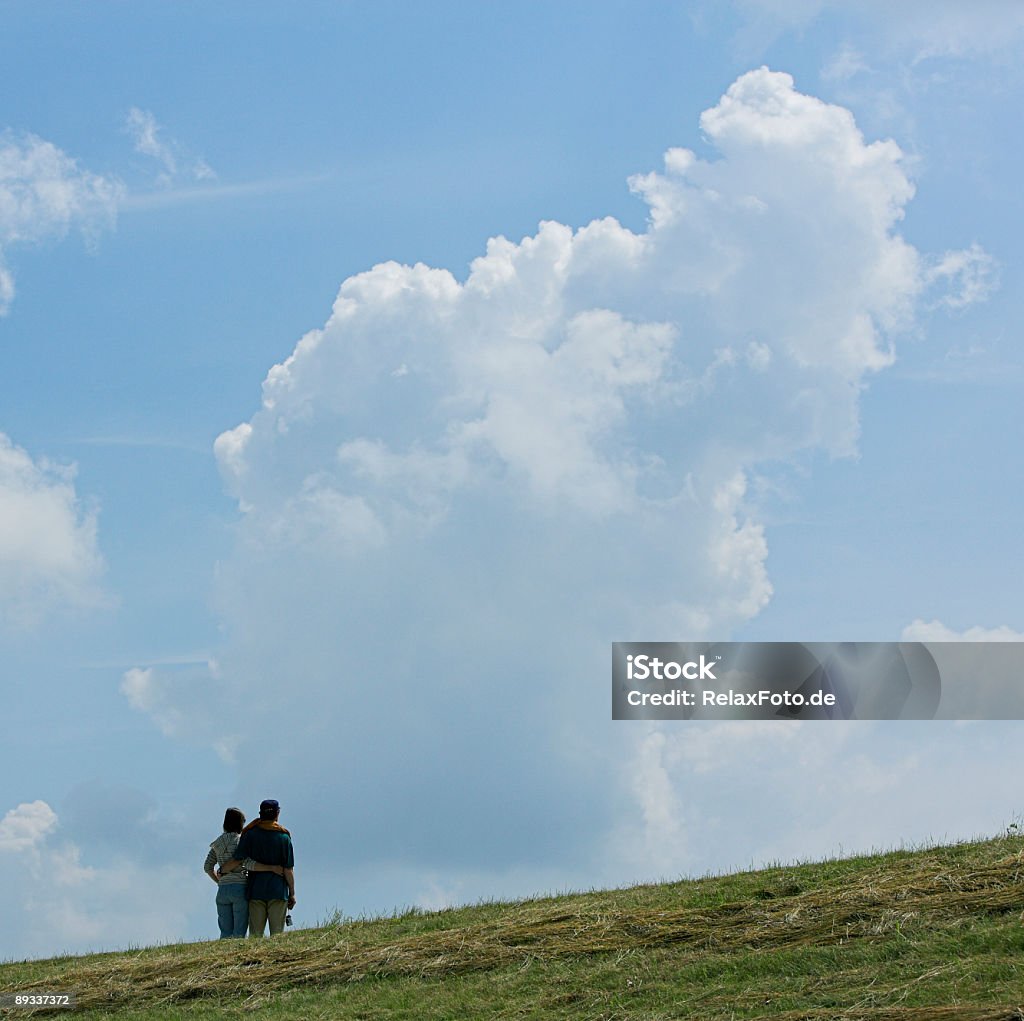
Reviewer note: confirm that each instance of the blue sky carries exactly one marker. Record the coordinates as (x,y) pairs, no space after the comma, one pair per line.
(772,391)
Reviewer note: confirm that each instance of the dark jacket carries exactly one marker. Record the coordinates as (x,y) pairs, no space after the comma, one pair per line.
(270,848)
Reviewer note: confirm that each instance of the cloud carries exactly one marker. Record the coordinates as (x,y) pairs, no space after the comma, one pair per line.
(49,557)
(183,178)
(977,684)
(64,904)
(752,793)
(936,631)
(844,64)
(43,193)
(928,28)
(143,128)
(972,270)
(147,135)
(456,494)
(24,827)
(183,194)
(161,694)
(658,843)
(143,693)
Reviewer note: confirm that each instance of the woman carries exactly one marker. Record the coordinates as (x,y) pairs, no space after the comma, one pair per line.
(232,902)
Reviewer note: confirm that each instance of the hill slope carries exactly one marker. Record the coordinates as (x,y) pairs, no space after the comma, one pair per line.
(911,935)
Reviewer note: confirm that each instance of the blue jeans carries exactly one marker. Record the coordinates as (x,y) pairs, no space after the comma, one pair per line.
(232,910)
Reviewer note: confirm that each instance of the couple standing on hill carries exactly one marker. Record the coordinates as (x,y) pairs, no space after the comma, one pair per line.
(254,877)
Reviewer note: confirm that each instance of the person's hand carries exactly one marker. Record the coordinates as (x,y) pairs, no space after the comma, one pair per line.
(291,902)
(279,871)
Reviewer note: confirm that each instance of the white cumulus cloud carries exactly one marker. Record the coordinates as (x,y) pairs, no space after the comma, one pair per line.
(24,827)
(49,555)
(456,494)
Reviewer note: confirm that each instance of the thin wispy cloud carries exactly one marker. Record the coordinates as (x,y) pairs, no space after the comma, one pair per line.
(159,659)
(148,200)
(142,442)
(43,194)
(175,162)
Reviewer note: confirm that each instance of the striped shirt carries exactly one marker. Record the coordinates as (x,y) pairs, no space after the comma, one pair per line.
(222,850)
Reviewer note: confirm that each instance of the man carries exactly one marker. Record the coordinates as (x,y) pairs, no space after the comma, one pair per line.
(266,841)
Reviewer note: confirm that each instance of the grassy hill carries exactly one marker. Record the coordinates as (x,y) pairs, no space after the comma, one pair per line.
(909,935)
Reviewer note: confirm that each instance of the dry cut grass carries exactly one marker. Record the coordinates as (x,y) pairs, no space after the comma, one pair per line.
(902,897)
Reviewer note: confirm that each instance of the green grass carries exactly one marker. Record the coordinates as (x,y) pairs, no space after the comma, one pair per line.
(912,935)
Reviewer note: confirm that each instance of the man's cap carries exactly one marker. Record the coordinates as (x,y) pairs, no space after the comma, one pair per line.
(269,805)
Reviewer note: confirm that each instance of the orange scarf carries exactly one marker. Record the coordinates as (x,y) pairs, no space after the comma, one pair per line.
(267,824)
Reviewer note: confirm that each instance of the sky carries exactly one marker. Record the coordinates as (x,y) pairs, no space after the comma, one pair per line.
(370,368)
